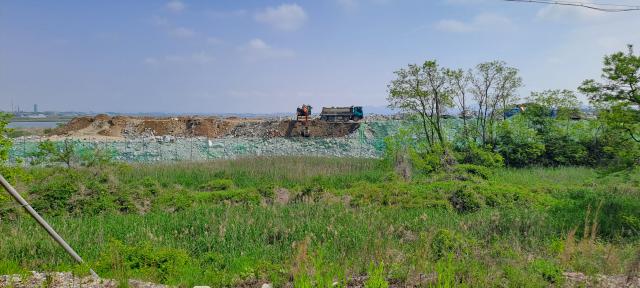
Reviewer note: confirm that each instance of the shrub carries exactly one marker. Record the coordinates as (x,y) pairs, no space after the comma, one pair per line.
(447,242)
(162,264)
(51,153)
(173,200)
(217,185)
(473,154)
(550,271)
(476,170)
(53,193)
(517,143)
(466,200)
(235,196)
(425,162)
(561,149)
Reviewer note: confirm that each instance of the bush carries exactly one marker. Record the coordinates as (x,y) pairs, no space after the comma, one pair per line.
(174,200)
(447,242)
(479,171)
(517,143)
(561,149)
(165,265)
(217,185)
(53,193)
(550,271)
(466,200)
(425,162)
(473,154)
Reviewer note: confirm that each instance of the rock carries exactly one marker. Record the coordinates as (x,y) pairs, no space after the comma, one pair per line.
(267,285)
(66,280)
(577,279)
(282,196)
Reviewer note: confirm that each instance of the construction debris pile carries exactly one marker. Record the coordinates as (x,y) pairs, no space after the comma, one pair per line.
(210,127)
(146,139)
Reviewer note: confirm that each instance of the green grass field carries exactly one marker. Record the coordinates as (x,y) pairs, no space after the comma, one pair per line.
(314,221)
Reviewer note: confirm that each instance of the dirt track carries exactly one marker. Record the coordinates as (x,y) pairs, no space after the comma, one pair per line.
(212,127)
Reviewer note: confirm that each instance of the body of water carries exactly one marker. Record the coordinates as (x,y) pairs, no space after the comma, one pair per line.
(34,124)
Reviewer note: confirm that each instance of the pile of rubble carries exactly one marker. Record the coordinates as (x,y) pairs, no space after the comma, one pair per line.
(210,127)
(125,126)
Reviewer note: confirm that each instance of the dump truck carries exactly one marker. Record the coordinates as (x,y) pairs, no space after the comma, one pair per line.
(341,114)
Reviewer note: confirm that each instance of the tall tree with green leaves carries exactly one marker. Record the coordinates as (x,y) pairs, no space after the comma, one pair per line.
(556,99)
(493,86)
(423,90)
(459,83)
(618,95)
(564,102)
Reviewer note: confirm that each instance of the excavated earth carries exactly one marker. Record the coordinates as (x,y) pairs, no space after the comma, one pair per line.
(186,126)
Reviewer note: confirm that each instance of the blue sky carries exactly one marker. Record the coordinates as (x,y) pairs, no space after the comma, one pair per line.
(271,56)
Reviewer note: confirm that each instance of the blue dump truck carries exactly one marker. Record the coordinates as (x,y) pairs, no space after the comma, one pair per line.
(341,114)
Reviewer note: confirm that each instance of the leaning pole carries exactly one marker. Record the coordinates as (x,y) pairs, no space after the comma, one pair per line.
(43,223)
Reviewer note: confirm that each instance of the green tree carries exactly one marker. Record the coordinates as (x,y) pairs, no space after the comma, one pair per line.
(564,102)
(459,82)
(51,152)
(493,86)
(423,90)
(519,144)
(619,93)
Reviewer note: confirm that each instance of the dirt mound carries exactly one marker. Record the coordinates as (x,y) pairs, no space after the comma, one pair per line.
(211,127)
(75,124)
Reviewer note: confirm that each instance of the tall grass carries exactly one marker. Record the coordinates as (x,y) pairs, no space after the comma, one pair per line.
(222,242)
(249,171)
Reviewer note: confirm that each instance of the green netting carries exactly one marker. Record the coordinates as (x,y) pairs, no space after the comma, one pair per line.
(367,142)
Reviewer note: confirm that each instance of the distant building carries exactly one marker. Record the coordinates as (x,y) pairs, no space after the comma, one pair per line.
(35,108)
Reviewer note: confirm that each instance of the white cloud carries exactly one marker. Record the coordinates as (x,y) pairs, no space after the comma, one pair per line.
(286,17)
(181,32)
(257,49)
(176,6)
(481,22)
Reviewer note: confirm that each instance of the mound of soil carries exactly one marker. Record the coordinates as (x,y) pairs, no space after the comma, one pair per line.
(211,127)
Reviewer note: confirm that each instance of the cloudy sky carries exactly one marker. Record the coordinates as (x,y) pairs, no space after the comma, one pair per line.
(270,56)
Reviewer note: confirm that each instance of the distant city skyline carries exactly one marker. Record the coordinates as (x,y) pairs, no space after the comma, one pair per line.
(197,56)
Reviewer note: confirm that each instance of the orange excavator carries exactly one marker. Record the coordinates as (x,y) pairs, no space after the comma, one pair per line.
(302,115)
